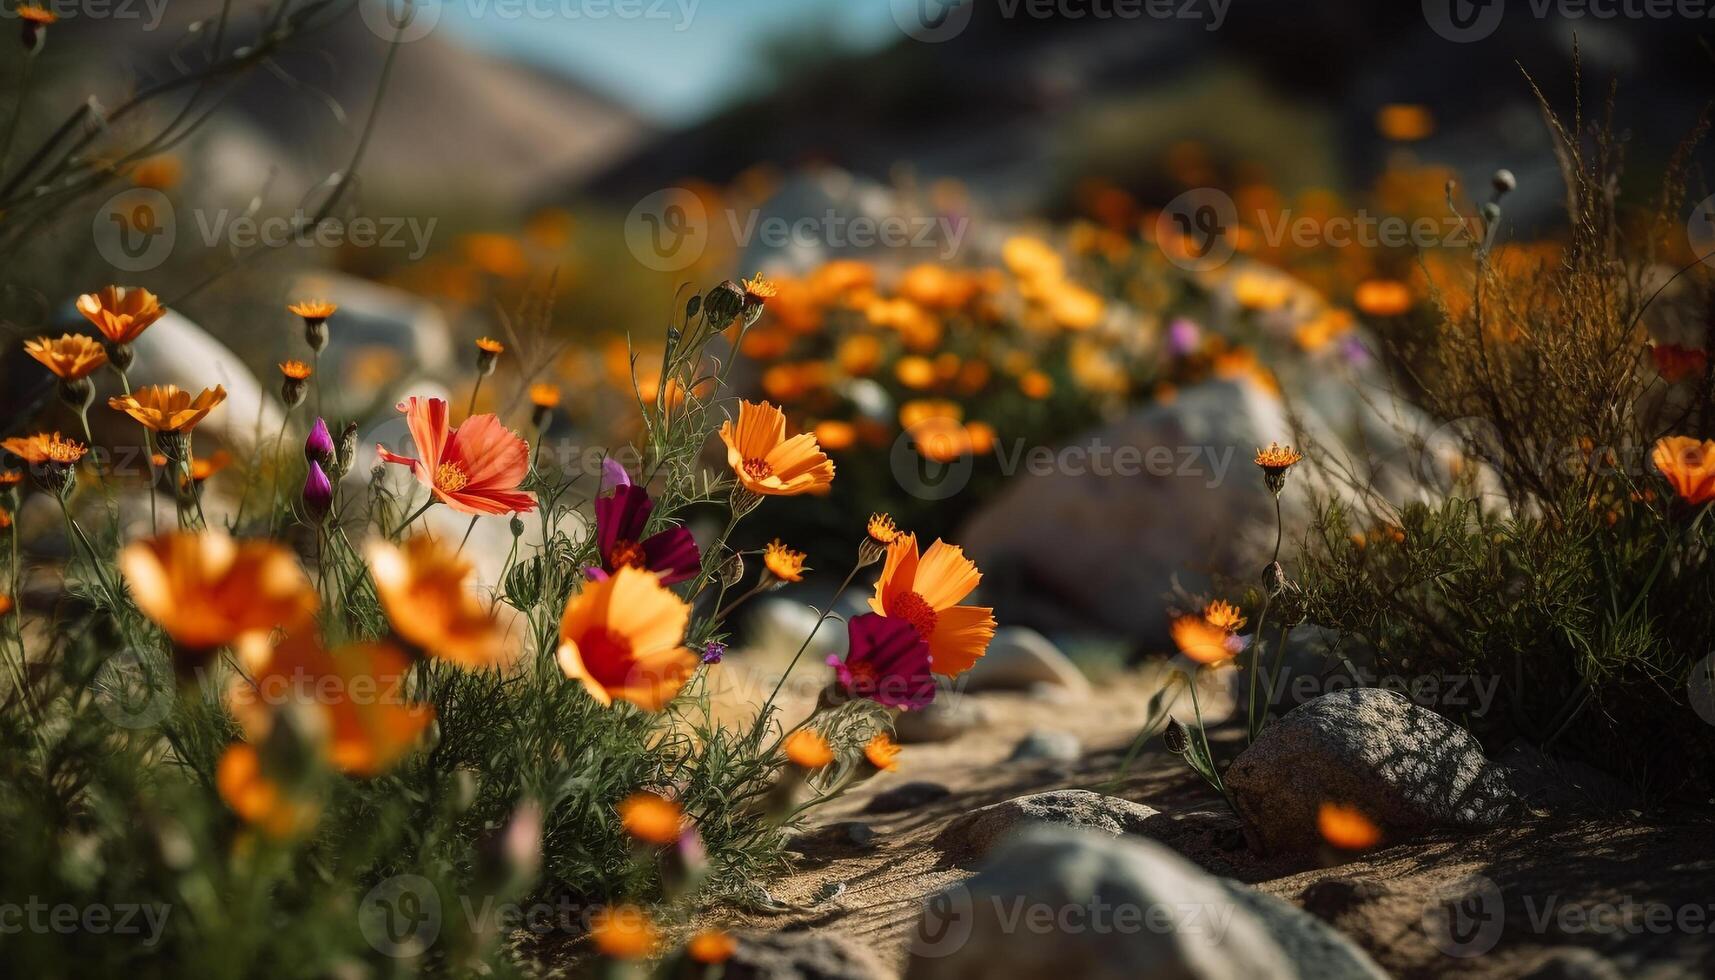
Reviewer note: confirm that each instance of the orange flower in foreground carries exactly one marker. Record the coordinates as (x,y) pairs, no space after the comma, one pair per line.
(1202,640)
(1347,828)
(350,699)
(424,588)
(765,461)
(625,932)
(711,946)
(882,752)
(121,313)
(209,590)
(623,638)
(807,749)
(258,799)
(71,357)
(43,448)
(475,468)
(652,819)
(925,591)
(1689,465)
(165,408)
(783,563)
(1676,363)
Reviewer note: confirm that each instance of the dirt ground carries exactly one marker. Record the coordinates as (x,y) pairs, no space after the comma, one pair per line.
(1637,889)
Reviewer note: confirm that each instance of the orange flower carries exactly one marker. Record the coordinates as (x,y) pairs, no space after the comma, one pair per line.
(835,435)
(314,310)
(208,590)
(881,529)
(1675,363)
(490,346)
(1277,459)
(295,370)
(11,478)
(711,946)
(121,313)
(940,439)
(784,563)
(71,357)
(5,522)
(765,461)
(545,395)
(30,13)
(258,799)
(1203,641)
(1347,828)
(424,589)
(202,467)
(623,637)
(758,289)
(925,591)
(1383,297)
(1404,122)
(475,468)
(652,819)
(807,749)
(881,752)
(1224,615)
(625,932)
(1036,385)
(44,448)
(164,408)
(351,700)
(5,603)
(1689,466)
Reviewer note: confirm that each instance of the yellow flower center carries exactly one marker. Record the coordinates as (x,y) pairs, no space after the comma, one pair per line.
(450,478)
(758,469)
(627,554)
(915,610)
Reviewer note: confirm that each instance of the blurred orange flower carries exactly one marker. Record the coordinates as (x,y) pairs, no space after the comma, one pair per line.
(711,946)
(1383,297)
(882,752)
(623,638)
(1404,122)
(625,932)
(259,800)
(1346,827)
(651,818)
(71,357)
(765,461)
(1689,466)
(925,591)
(835,435)
(210,590)
(1203,641)
(424,587)
(807,749)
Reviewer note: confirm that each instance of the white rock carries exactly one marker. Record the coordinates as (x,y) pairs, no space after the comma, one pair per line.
(1018,659)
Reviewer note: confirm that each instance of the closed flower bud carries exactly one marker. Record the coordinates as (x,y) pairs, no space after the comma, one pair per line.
(517,526)
(346,453)
(318,447)
(1177,740)
(121,356)
(318,493)
(1503,181)
(723,303)
(733,570)
(77,393)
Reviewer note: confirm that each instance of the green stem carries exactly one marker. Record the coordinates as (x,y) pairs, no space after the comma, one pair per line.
(762,716)
(469,528)
(416,514)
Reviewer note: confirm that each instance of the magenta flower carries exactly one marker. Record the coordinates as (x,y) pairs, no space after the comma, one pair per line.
(888,663)
(620,519)
(318,493)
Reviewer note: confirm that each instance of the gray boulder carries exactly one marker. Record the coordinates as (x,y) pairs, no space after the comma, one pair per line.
(947,717)
(1072,903)
(1042,745)
(976,833)
(1406,768)
(817,955)
(1020,659)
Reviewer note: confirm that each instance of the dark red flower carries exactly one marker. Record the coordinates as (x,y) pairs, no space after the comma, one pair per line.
(888,662)
(620,519)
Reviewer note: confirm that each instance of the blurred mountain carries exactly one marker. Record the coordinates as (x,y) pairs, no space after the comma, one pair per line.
(456,127)
(1021,107)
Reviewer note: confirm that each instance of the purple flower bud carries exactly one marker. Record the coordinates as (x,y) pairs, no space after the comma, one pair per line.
(613,475)
(318,448)
(713,653)
(1183,336)
(318,492)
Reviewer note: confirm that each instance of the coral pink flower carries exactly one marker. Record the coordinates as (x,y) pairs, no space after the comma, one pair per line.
(475,468)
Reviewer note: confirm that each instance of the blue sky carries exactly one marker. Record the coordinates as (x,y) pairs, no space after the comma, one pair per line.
(669,66)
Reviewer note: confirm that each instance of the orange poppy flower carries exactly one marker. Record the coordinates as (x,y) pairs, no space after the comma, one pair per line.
(651,818)
(625,932)
(121,313)
(765,461)
(1203,641)
(882,752)
(808,749)
(259,800)
(711,946)
(1689,465)
(623,638)
(208,590)
(783,563)
(165,408)
(1346,827)
(475,468)
(925,591)
(72,357)
(352,698)
(424,589)
(43,448)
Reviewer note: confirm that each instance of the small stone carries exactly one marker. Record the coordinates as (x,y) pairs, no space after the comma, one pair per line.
(1019,659)
(976,832)
(907,796)
(947,717)
(819,955)
(1047,746)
